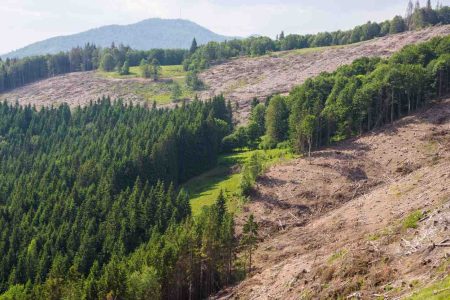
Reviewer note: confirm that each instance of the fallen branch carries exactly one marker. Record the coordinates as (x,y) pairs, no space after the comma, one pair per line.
(440,291)
(294,216)
(443,245)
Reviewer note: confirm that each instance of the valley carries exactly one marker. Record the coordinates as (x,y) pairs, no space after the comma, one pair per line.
(302,166)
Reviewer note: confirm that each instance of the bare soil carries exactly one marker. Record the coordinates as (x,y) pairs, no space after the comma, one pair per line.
(243,79)
(333,225)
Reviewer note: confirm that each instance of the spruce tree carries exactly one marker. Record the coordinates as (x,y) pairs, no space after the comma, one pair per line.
(193,46)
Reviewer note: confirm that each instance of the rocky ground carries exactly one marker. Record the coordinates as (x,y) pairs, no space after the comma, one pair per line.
(336,225)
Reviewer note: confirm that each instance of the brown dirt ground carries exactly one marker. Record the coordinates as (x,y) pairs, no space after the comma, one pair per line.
(243,79)
(332,227)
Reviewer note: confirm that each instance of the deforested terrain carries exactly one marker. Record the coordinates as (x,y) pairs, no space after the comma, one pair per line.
(240,80)
(305,167)
(363,219)
(243,79)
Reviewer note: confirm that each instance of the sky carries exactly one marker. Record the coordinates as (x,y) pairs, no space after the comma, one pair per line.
(23,22)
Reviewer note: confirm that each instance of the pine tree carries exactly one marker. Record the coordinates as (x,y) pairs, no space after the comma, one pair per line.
(193,46)
(409,14)
(250,238)
(125,70)
(276,120)
(145,69)
(155,69)
(176,91)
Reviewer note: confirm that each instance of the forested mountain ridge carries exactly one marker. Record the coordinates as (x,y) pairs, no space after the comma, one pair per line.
(145,35)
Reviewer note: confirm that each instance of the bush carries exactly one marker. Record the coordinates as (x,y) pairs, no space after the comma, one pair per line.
(250,172)
(411,220)
(238,139)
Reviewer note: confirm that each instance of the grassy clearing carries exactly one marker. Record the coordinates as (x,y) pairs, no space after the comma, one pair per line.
(159,91)
(167,72)
(204,189)
(437,291)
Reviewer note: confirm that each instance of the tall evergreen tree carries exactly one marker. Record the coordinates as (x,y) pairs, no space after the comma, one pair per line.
(194,46)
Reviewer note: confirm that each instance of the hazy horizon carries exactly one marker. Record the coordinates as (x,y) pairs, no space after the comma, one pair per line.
(27,22)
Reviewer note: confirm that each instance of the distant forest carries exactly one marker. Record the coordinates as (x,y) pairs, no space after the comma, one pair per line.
(18,72)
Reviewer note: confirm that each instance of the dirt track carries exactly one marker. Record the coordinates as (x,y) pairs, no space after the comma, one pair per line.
(243,79)
(332,226)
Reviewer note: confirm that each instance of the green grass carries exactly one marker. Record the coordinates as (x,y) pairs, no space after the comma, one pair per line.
(411,220)
(337,255)
(205,189)
(167,72)
(159,91)
(437,291)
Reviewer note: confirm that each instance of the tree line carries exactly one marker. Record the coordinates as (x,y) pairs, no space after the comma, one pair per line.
(15,73)
(90,204)
(354,99)
(417,17)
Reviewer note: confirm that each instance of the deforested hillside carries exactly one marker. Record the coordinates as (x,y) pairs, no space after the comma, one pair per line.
(240,80)
(365,219)
(243,79)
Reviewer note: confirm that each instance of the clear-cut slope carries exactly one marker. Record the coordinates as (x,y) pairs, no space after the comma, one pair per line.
(335,226)
(243,79)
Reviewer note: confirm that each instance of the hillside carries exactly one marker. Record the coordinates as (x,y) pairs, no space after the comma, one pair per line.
(361,220)
(144,35)
(243,79)
(80,88)
(240,79)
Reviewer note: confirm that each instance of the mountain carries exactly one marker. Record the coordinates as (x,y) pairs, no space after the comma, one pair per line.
(144,35)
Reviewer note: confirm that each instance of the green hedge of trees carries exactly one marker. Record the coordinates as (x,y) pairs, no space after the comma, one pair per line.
(82,190)
(356,98)
(367,94)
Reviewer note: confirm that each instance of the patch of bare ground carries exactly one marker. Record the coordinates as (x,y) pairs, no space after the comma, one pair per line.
(333,226)
(78,89)
(243,79)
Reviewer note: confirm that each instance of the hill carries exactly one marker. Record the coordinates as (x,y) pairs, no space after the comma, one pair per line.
(144,35)
(245,78)
(239,80)
(365,219)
